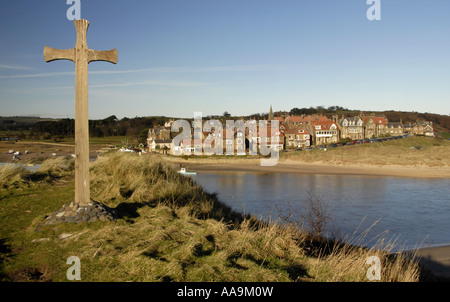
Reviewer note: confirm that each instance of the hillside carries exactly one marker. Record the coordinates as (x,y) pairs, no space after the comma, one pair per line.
(137,128)
(413,151)
(169,229)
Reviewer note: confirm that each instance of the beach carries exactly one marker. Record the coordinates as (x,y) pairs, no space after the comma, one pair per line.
(290,166)
(436,259)
(345,161)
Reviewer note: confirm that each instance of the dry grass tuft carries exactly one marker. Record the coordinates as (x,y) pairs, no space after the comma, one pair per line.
(149,180)
(57,166)
(13,175)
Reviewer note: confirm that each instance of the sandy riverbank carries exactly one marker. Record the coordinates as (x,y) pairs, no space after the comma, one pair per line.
(289,166)
(436,259)
(41,151)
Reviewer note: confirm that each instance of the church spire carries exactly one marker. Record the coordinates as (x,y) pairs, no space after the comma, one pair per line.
(271,114)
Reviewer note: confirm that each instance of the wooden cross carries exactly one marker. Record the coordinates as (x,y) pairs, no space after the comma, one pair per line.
(81,55)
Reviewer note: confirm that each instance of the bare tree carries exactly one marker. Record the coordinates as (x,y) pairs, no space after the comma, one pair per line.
(315,214)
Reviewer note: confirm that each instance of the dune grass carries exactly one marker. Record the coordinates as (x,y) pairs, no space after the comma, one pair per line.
(11,175)
(169,230)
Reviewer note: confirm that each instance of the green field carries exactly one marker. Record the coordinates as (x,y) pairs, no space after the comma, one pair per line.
(445,134)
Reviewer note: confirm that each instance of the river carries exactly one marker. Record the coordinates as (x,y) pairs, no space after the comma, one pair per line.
(31,168)
(408,212)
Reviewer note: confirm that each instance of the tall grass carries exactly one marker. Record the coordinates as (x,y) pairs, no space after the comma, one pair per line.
(287,248)
(12,175)
(18,175)
(345,258)
(172,230)
(149,180)
(57,166)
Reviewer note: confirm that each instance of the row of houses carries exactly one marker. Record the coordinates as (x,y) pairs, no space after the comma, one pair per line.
(293,132)
(304,131)
(229,140)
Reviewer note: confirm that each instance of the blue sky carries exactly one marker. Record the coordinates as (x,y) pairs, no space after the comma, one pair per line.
(177,57)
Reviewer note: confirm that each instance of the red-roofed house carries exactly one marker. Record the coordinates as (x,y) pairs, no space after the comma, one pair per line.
(325,132)
(375,126)
(298,138)
(265,135)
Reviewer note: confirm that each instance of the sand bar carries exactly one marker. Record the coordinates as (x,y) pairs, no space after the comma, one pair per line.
(286,166)
(436,259)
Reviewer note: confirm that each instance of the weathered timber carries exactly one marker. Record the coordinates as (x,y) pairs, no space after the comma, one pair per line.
(81,55)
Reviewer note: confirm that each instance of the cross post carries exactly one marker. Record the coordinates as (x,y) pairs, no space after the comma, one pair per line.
(81,55)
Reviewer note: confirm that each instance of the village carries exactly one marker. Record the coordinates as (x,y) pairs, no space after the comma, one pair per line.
(299,133)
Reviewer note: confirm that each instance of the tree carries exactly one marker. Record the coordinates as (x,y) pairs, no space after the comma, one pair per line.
(143,135)
(315,215)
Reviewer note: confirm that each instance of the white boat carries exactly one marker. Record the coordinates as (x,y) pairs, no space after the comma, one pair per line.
(183,171)
(126,150)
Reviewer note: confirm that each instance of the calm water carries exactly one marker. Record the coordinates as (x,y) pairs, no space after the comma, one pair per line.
(414,212)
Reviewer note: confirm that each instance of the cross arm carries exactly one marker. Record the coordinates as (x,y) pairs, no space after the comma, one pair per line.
(52,54)
(106,55)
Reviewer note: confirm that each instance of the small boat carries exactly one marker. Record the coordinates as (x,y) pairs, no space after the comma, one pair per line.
(184,172)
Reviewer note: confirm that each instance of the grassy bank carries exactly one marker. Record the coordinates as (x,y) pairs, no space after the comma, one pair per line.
(411,151)
(169,230)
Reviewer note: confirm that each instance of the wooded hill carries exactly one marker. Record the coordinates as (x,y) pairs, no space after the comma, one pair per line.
(46,128)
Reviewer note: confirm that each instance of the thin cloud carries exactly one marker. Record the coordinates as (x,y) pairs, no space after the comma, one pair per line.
(58,89)
(154,83)
(15,67)
(39,75)
(159,70)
